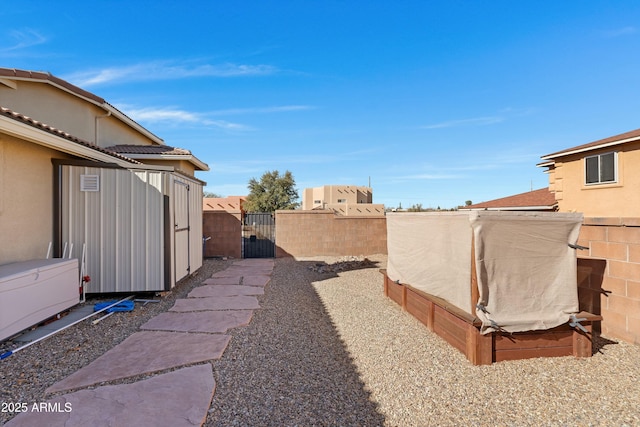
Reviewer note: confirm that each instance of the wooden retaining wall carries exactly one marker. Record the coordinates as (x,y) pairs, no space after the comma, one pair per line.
(462,330)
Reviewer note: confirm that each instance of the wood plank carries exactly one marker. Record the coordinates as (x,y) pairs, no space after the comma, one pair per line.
(582,342)
(452,329)
(421,308)
(503,355)
(396,292)
(446,305)
(479,347)
(534,339)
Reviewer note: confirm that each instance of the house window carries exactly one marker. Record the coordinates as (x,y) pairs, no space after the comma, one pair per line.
(601,169)
(317,202)
(342,200)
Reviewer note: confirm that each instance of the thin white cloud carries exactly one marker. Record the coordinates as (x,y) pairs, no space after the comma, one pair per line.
(258,166)
(478,121)
(164,70)
(618,32)
(262,110)
(23,39)
(158,115)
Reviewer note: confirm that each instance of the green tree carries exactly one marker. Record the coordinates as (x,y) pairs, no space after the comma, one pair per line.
(209,194)
(416,208)
(272,192)
(468,203)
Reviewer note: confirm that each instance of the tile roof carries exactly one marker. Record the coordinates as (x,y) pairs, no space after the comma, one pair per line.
(60,133)
(149,149)
(612,140)
(231,203)
(540,199)
(46,76)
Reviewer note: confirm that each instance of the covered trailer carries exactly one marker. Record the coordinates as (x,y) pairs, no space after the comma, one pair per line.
(496,285)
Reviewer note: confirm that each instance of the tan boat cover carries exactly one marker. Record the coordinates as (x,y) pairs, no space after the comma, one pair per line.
(525,269)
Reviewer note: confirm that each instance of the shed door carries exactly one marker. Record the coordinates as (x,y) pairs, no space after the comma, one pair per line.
(181,229)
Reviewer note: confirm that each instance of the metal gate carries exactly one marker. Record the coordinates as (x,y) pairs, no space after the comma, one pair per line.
(258,235)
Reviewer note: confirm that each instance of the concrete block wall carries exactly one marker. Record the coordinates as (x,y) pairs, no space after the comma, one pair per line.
(317,233)
(225,230)
(609,275)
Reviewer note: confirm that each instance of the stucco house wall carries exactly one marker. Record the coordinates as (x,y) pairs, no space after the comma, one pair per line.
(26,199)
(609,269)
(619,199)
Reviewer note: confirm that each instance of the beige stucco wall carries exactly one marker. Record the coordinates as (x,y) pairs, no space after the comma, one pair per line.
(619,199)
(67,112)
(26,200)
(330,194)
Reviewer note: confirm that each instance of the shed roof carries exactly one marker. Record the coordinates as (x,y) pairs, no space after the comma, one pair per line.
(159,152)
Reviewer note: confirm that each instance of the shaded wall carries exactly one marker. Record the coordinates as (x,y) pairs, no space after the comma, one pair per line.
(323,233)
(225,230)
(609,275)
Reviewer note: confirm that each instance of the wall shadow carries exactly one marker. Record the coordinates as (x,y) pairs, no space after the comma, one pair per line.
(289,366)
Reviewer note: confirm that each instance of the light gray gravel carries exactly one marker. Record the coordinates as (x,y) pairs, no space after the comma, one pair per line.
(326,348)
(329,349)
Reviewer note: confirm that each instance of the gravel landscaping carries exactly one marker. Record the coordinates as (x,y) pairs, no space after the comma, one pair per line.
(326,348)
(25,375)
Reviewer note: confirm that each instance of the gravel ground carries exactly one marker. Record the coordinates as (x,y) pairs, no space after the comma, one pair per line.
(25,375)
(328,349)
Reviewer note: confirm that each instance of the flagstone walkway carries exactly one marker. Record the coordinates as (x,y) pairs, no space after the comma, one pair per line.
(171,354)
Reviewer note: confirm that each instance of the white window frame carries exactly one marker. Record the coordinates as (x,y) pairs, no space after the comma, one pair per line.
(599,157)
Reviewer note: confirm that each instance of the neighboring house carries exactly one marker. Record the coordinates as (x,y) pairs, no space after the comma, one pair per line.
(222,227)
(599,179)
(225,204)
(534,200)
(75,170)
(347,200)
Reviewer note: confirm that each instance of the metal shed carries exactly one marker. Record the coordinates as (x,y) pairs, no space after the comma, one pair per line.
(142,227)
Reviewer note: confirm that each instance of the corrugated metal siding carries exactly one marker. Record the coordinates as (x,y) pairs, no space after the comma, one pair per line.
(122,225)
(187,212)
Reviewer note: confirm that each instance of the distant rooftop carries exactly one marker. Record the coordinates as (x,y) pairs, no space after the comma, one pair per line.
(535,200)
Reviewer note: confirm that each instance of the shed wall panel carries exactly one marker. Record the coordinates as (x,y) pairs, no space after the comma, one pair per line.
(121,224)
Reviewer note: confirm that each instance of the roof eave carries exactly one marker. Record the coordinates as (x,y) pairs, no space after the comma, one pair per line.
(58,143)
(199,164)
(591,148)
(514,208)
(84,95)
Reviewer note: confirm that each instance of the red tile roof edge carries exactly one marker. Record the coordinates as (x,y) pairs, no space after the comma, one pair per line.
(62,134)
(533,198)
(612,139)
(43,75)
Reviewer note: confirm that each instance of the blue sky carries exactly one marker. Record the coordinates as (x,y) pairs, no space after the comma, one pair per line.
(434,102)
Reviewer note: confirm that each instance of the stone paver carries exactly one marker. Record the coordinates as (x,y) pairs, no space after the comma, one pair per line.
(188,333)
(176,399)
(199,321)
(224,291)
(240,302)
(233,280)
(261,280)
(252,262)
(145,352)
